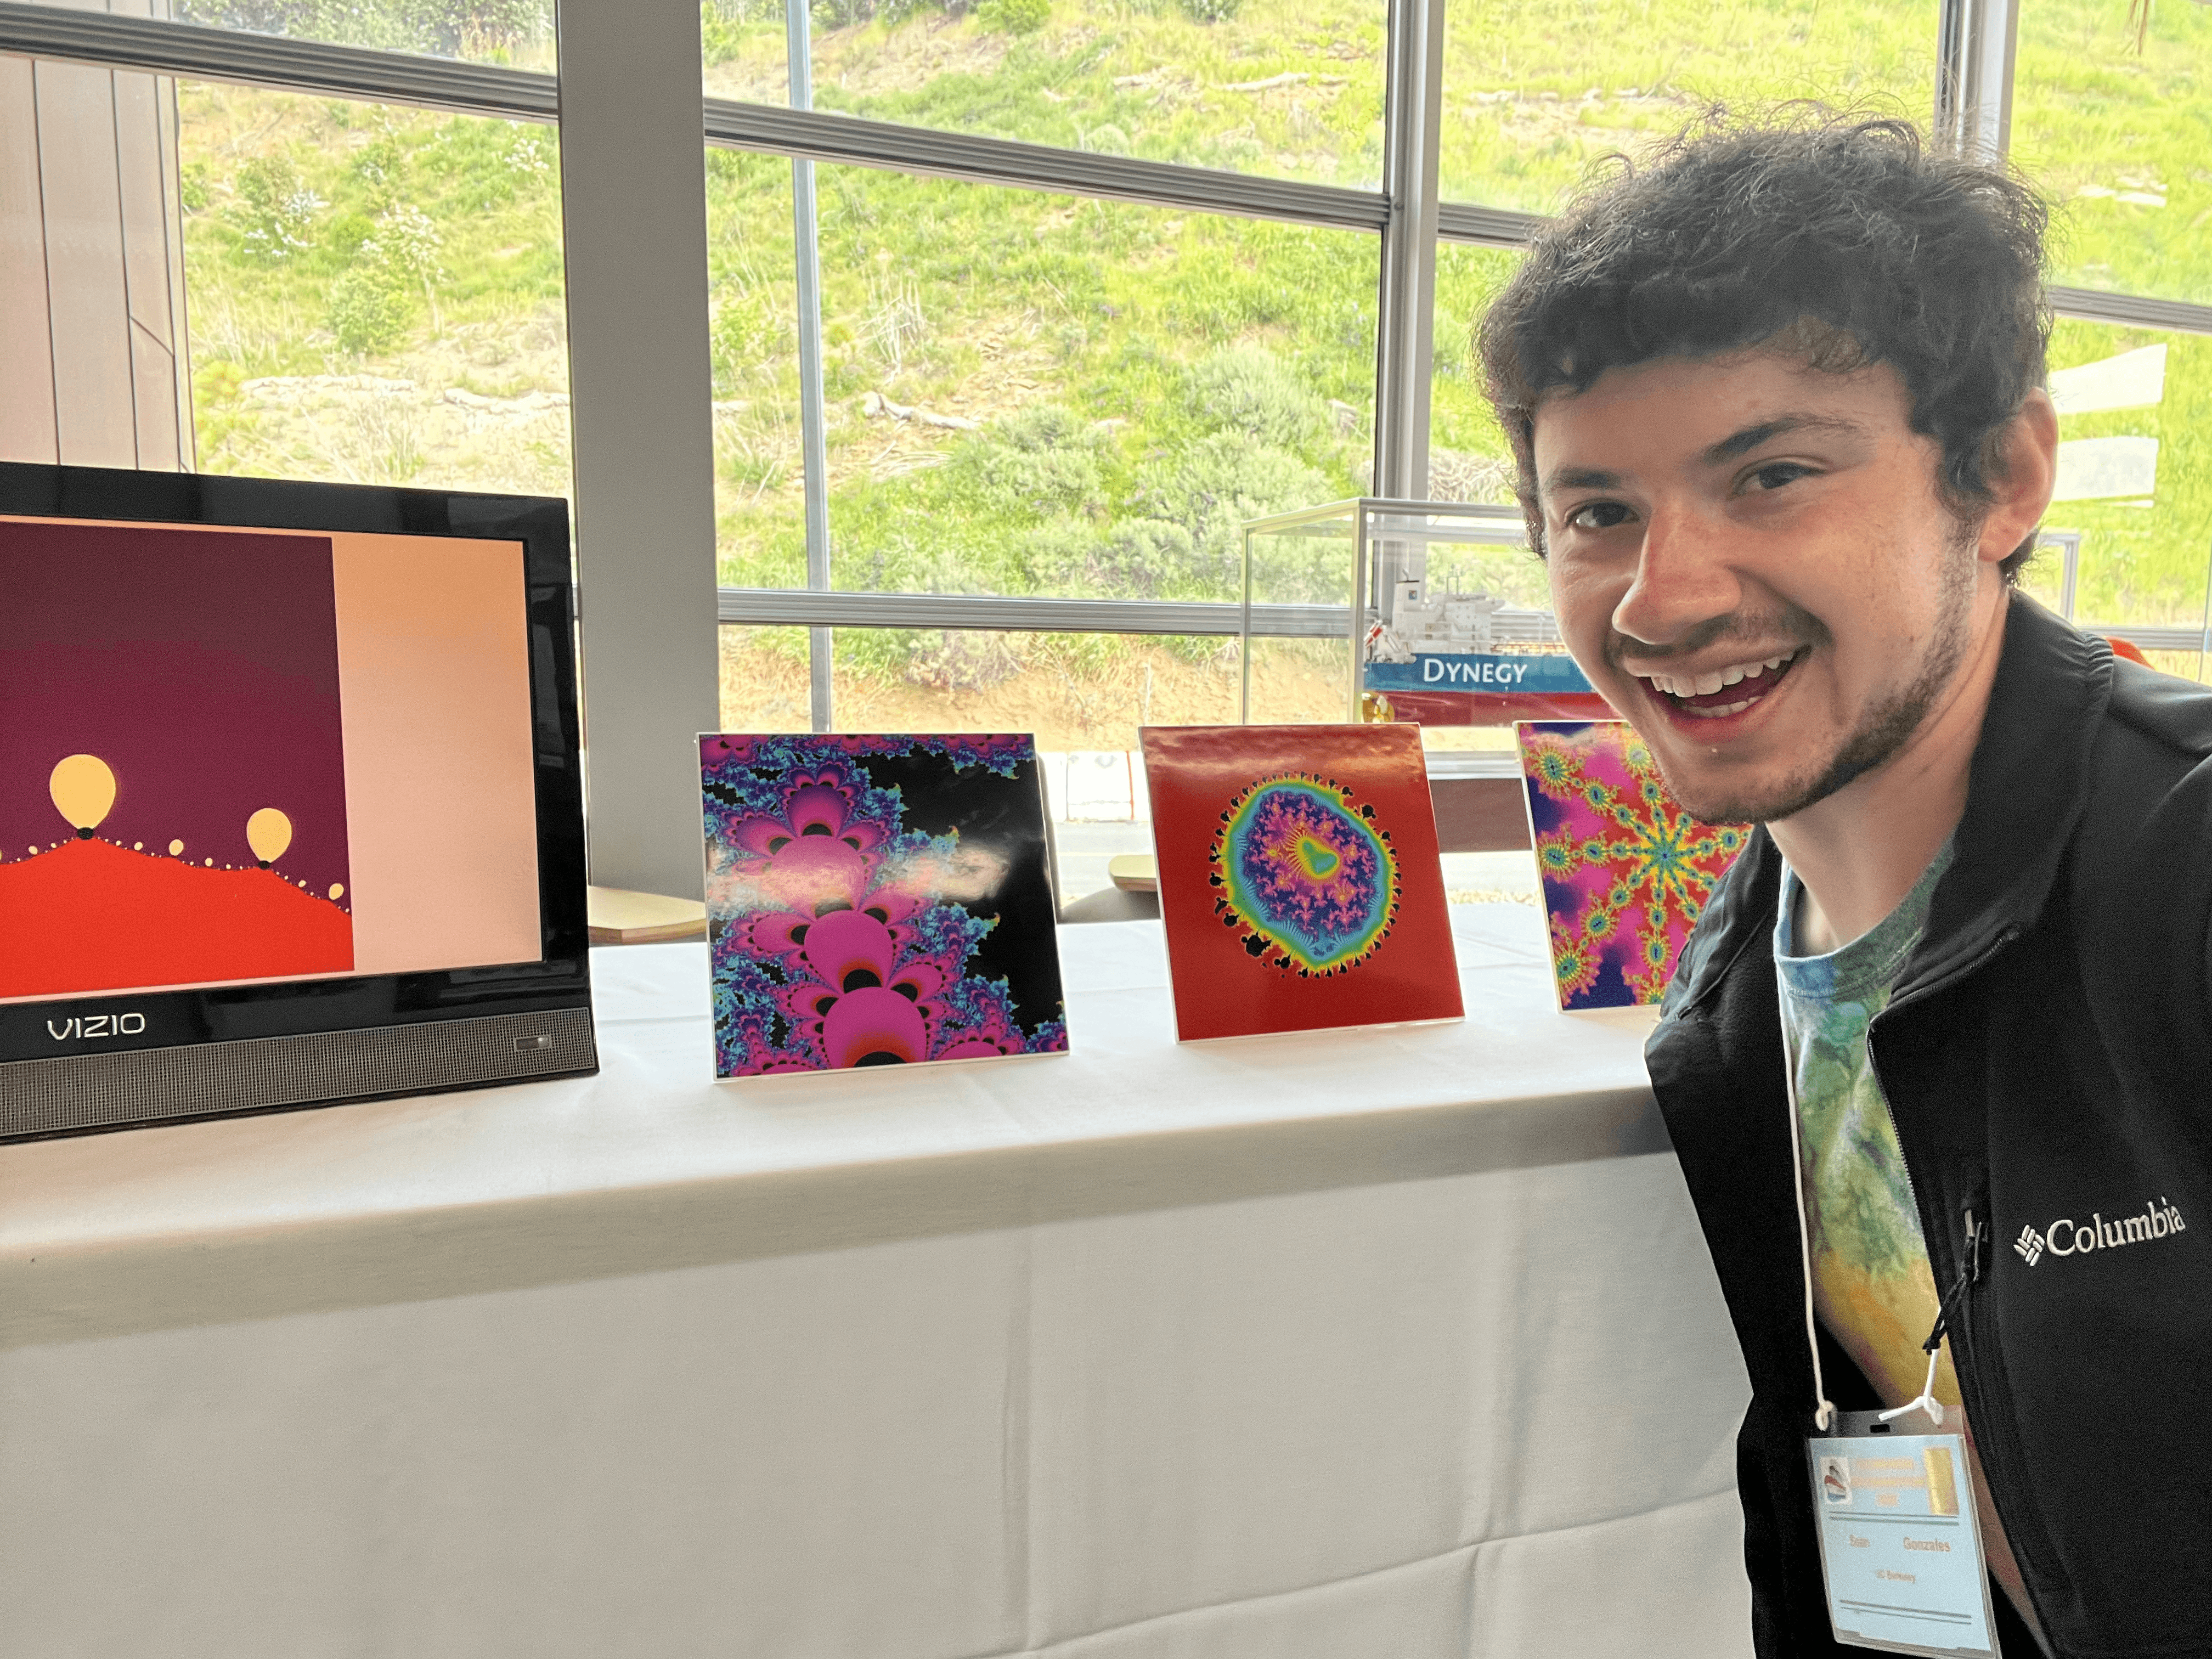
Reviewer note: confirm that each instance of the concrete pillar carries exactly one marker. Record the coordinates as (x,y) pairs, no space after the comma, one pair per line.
(634,197)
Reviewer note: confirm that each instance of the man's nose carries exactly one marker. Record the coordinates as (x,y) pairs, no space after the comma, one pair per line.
(1685,577)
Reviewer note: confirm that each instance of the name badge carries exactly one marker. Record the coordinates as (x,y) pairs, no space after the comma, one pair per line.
(1900,1542)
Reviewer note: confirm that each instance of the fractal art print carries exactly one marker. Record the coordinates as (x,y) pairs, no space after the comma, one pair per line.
(877,900)
(1626,871)
(1299,879)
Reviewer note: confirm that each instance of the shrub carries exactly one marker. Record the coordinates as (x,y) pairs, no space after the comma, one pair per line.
(371,305)
(1037,463)
(1211,487)
(276,210)
(1211,11)
(1247,389)
(1136,559)
(382,167)
(405,241)
(1014,16)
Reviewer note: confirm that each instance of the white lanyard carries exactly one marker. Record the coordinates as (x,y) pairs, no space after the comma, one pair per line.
(1824,1413)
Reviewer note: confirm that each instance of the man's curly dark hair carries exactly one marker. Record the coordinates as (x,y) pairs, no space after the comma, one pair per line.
(1843,240)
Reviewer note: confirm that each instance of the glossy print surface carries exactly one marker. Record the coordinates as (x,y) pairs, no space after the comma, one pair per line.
(1626,871)
(877,900)
(1299,880)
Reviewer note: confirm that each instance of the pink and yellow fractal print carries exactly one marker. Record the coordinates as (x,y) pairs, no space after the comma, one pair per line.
(1626,871)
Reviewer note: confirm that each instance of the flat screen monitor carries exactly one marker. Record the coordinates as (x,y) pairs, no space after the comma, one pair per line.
(291,809)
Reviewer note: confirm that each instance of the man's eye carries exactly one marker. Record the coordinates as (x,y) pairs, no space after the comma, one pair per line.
(1598,515)
(1773,477)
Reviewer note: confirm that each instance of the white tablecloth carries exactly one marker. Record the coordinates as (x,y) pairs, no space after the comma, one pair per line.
(1390,1343)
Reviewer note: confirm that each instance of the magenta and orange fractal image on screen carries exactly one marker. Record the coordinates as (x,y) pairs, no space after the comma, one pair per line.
(172,788)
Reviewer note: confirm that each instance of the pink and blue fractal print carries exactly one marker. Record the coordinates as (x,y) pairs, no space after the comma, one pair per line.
(1626,871)
(1310,880)
(877,900)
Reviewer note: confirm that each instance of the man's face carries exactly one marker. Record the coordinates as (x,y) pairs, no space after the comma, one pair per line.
(1749,559)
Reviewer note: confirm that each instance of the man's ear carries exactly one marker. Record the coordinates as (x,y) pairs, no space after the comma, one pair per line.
(2021,481)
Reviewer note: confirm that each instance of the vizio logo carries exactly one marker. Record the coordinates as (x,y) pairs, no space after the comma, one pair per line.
(87,1026)
(2067,1236)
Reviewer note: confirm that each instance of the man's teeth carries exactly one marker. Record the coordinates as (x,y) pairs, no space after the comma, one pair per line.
(1703,686)
(1724,711)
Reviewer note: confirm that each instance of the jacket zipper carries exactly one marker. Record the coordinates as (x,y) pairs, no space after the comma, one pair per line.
(1998,1429)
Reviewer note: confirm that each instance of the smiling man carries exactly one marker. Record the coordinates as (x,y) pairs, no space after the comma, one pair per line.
(1778,403)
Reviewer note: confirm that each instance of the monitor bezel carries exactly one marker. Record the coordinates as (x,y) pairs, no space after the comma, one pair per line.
(562,977)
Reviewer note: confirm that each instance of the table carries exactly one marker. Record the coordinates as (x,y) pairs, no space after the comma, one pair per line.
(1399,1342)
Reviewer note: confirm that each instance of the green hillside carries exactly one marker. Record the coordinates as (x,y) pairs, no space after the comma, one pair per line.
(1031,394)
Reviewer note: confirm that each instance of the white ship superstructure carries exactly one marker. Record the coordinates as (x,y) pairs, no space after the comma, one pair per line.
(1453,623)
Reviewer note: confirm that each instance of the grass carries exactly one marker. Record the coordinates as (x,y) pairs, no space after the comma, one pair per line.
(1136,79)
(1032,394)
(289,199)
(1136,382)
(1538,91)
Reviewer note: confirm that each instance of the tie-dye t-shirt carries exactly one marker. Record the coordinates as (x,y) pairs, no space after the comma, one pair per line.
(1872,1285)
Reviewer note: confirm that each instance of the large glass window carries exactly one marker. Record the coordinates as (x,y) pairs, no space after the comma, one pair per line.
(1534,93)
(1468,457)
(1030,394)
(764,679)
(373,293)
(518,33)
(2112,115)
(760,469)
(1274,87)
(2128,538)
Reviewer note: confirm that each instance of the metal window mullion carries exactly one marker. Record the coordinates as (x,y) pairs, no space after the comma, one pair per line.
(197,52)
(976,159)
(813,441)
(2130,310)
(1406,313)
(1975,46)
(787,607)
(1463,221)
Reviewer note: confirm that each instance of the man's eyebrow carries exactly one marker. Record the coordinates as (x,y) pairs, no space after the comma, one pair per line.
(1736,443)
(1750,438)
(1579,478)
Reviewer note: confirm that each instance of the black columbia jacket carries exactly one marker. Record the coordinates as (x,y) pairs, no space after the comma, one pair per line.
(2047,1053)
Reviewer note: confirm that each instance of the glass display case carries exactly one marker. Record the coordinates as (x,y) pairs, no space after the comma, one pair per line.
(1430,611)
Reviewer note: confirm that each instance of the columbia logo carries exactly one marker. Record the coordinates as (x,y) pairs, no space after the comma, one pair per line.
(2067,1236)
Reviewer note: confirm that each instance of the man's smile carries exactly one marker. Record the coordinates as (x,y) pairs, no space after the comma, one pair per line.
(1719,692)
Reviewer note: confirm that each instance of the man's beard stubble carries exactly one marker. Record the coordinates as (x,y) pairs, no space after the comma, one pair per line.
(1888,725)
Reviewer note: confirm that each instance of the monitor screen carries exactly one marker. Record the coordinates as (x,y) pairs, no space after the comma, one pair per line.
(230,755)
(291,796)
